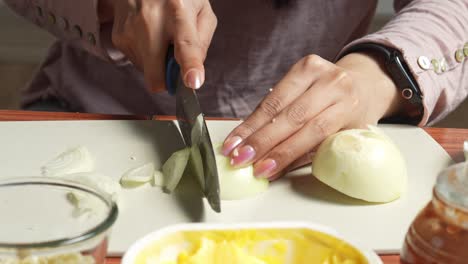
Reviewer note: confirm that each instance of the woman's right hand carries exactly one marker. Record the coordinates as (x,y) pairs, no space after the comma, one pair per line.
(143,29)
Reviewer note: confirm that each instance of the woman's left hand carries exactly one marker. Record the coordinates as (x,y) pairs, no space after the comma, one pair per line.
(315,99)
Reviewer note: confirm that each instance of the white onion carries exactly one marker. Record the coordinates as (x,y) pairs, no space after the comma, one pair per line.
(237,183)
(84,204)
(195,166)
(174,168)
(363,164)
(71,161)
(138,176)
(158,178)
(101,183)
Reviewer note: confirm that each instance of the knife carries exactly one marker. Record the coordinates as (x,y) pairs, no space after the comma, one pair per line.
(194,130)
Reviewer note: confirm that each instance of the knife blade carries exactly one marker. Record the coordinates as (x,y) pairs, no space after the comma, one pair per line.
(194,131)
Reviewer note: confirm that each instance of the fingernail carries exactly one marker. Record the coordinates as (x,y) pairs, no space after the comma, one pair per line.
(241,156)
(193,78)
(264,168)
(230,144)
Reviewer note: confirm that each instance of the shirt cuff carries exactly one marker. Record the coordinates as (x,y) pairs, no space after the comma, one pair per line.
(420,66)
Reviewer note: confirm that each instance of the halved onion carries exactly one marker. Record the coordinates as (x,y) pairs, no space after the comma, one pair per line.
(71,161)
(237,183)
(364,164)
(137,176)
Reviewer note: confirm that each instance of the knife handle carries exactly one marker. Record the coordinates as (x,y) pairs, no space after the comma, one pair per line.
(172,71)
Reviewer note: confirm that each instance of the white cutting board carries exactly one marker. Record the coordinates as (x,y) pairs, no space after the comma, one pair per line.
(119,145)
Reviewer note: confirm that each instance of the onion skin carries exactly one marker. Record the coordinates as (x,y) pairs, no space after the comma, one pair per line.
(364,164)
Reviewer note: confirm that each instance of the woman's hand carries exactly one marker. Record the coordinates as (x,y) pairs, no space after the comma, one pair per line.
(314,100)
(143,29)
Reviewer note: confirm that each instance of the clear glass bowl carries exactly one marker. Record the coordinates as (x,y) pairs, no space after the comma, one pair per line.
(44,220)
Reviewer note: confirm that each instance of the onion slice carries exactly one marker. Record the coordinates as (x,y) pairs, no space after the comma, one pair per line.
(158,178)
(174,168)
(135,177)
(101,183)
(195,166)
(71,161)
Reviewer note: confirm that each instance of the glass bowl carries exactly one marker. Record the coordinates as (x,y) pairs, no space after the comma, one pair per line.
(48,220)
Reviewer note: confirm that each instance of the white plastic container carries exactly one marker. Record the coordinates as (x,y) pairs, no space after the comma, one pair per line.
(152,238)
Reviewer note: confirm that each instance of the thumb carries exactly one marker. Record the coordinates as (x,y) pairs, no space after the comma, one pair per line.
(188,50)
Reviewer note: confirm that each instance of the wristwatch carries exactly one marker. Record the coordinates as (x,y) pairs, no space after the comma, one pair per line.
(401,76)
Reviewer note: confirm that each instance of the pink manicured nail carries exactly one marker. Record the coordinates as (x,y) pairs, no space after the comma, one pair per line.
(230,144)
(264,168)
(241,156)
(193,78)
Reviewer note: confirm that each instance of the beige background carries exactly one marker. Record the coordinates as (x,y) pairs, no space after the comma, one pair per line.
(22,47)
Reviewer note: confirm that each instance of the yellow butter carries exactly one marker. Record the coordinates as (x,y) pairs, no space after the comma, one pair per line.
(248,246)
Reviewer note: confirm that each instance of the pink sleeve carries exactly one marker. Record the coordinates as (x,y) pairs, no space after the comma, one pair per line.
(433,38)
(76,22)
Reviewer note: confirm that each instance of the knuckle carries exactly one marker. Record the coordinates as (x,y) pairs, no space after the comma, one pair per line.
(205,45)
(214,20)
(271,106)
(282,157)
(322,127)
(296,114)
(262,141)
(343,76)
(245,130)
(188,44)
(175,5)
(312,61)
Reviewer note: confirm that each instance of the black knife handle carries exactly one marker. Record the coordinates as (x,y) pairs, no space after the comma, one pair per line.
(172,71)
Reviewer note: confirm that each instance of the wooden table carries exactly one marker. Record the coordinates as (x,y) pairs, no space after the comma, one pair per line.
(449,138)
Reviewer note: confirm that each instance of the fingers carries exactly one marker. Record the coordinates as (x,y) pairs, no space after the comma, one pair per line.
(319,97)
(315,131)
(189,51)
(301,76)
(136,22)
(142,30)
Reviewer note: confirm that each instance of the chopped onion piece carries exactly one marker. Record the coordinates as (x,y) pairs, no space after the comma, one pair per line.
(82,203)
(71,161)
(174,168)
(197,131)
(158,178)
(99,182)
(138,176)
(195,166)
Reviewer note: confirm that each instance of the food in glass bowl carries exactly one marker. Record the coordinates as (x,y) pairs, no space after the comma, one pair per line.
(42,224)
